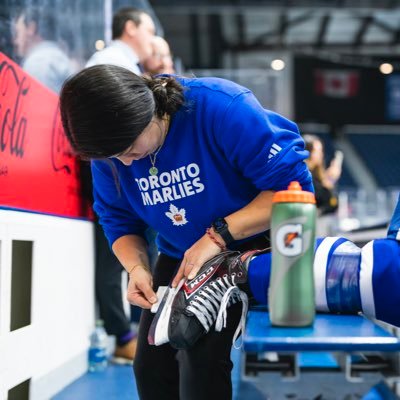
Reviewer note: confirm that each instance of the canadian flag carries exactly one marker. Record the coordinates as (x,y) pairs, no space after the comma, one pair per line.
(337,83)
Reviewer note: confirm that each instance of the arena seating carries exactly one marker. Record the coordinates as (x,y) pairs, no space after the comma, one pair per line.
(381,154)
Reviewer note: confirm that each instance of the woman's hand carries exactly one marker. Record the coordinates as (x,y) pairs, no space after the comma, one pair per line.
(140,288)
(195,257)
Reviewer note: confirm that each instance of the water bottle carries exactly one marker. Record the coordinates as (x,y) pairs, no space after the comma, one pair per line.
(291,291)
(98,348)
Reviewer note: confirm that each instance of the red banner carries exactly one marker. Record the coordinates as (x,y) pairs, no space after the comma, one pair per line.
(38,171)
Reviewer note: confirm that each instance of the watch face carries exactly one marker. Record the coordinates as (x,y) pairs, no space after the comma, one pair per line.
(219,224)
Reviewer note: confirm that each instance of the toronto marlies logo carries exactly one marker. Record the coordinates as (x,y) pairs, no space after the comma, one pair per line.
(170,185)
(177,216)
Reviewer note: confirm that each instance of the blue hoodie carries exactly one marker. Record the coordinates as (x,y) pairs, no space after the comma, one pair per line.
(221,150)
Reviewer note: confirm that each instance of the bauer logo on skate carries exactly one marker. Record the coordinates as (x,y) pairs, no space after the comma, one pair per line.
(170,186)
(289,239)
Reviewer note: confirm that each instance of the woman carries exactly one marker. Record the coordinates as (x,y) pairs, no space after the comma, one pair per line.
(324,179)
(198,160)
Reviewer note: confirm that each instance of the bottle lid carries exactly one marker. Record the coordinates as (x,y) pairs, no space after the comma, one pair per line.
(294,194)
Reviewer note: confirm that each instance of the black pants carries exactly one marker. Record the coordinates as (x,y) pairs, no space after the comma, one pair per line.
(108,287)
(201,373)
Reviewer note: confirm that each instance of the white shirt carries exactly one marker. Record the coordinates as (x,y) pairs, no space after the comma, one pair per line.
(117,53)
(48,64)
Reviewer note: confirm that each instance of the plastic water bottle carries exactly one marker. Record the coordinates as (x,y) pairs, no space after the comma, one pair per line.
(98,348)
(291,291)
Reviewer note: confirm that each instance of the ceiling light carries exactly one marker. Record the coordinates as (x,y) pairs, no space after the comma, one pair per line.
(99,45)
(277,64)
(386,68)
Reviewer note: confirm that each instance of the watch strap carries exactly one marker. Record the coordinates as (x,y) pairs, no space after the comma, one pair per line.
(220,226)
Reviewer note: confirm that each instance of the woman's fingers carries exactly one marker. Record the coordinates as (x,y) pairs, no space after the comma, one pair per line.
(201,251)
(147,291)
(193,271)
(187,269)
(137,299)
(140,290)
(179,275)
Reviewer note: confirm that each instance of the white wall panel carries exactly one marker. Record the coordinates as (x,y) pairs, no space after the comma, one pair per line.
(62,307)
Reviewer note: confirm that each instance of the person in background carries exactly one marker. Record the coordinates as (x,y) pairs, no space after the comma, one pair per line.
(160,62)
(324,181)
(41,57)
(198,160)
(133,32)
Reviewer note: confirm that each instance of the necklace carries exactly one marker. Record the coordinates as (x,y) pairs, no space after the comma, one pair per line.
(153,156)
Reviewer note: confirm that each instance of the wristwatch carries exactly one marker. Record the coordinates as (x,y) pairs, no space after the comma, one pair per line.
(221,227)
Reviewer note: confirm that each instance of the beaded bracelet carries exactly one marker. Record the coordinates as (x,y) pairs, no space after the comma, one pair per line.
(215,240)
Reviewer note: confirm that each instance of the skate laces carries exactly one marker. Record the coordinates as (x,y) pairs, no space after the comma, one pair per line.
(212,301)
(222,314)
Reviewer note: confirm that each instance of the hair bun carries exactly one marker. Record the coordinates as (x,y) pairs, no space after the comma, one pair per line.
(167,93)
(159,88)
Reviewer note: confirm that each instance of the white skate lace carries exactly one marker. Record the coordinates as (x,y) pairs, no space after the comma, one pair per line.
(212,301)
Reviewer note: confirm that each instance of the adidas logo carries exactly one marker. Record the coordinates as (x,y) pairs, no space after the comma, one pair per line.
(274,150)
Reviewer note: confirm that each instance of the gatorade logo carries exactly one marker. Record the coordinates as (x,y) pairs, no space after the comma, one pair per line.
(289,241)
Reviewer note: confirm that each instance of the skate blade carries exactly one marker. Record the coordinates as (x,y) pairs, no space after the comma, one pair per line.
(158,331)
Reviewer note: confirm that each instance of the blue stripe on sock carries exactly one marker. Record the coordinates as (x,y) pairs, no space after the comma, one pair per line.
(342,280)
(318,241)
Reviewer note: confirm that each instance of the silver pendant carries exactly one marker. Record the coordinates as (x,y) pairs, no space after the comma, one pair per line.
(153,171)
